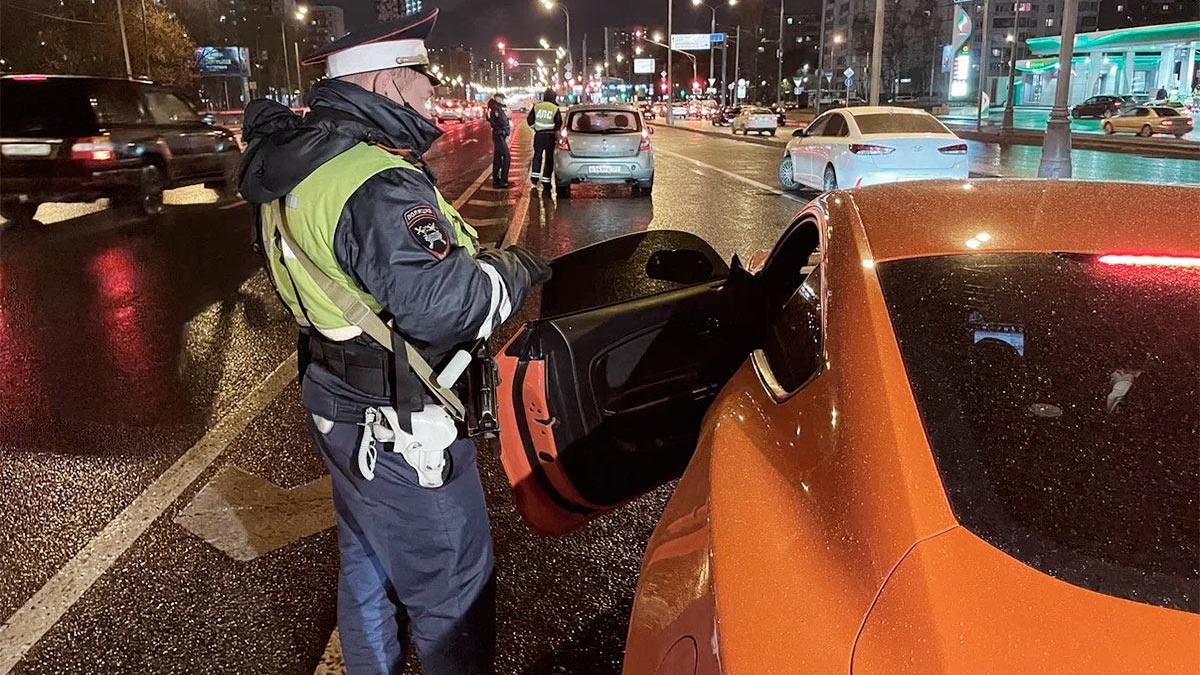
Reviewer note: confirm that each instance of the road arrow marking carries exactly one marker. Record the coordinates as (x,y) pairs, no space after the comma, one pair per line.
(245,516)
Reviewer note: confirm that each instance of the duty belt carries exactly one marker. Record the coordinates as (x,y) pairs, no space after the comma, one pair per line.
(363,367)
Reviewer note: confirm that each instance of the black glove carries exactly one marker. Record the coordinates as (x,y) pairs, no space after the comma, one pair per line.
(539,269)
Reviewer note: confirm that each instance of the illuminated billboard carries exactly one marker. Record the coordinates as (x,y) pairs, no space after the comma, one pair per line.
(223,61)
(643,66)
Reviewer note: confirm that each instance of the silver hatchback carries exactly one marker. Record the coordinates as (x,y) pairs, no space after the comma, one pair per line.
(604,144)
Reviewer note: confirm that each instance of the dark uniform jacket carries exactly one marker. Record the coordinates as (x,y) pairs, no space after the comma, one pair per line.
(437,299)
(499,119)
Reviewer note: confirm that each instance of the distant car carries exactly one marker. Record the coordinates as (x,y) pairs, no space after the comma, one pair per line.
(756,119)
(446,110)
(73,139)
(723,117)
(1146,121)
(850,147)
(679,110)
(604,144)
(1099,106)
(647,111)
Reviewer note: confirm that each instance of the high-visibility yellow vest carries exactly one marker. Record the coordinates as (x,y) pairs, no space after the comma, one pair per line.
(543,116)
(314,208)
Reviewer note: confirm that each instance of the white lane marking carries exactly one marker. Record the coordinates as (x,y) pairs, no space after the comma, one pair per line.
(488,222)
(38,615)
(472,188)
(698,172)
(748,181)
(520,214)
(487,203)
(232,205)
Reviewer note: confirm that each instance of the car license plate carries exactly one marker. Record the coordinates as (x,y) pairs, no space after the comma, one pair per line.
(25,149)
(605,170)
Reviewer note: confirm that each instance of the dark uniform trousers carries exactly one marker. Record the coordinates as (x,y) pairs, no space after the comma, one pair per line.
(501,159)
(412,557)
(543,157)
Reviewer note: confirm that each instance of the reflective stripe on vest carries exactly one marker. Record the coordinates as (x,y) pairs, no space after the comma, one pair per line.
(314,208)
(543,116)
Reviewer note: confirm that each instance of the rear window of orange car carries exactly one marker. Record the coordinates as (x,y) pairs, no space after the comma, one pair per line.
(1060,396)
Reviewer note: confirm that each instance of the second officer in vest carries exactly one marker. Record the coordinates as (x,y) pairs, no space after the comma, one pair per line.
(372,260)
(546,119)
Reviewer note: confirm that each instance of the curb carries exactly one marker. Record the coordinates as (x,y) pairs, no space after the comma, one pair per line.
(1157,148)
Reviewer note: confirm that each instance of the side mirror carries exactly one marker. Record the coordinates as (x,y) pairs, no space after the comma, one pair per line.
(799,133)
(681,266)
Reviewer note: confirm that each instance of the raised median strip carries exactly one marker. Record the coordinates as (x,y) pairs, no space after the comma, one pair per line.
(1164,148)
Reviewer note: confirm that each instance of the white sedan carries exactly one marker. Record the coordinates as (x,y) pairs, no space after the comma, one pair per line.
(850,147)
(752,118)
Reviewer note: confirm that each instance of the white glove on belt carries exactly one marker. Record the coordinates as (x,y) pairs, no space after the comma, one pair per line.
(424,450)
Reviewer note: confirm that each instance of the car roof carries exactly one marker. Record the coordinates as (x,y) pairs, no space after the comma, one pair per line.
(925,218)
(602,106)
(876,109)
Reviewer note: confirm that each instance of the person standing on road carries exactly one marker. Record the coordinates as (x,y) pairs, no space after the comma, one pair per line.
(389,281)
(501,130)
(546,119)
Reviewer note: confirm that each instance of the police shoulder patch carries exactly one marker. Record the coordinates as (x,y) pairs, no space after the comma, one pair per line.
(422,224)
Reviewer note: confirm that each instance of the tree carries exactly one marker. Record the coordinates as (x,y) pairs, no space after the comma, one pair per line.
(85,39)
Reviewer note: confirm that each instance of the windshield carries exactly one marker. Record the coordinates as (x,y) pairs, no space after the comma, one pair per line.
(1059,396)
(50,107)
(605,122)
(902,123)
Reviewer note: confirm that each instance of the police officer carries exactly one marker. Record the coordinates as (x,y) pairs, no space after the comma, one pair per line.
(365,251)
(545,118)
(501,130)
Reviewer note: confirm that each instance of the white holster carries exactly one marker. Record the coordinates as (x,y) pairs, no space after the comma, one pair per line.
(424,450)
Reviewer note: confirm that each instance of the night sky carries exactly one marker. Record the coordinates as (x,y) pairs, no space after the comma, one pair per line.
(478,23)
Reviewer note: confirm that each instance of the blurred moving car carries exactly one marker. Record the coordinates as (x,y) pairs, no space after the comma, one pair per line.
(66,138)
(723,117)
(850,147)
(447,110)
(647,111)
(908,437)
(756,119)
(1146,121)
(1102,106)
(604,143)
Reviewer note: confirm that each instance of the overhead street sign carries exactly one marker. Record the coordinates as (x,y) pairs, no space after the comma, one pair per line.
(716,39)
(691,41)
(643,66)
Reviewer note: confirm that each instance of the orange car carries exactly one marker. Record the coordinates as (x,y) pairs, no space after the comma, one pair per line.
(949,427)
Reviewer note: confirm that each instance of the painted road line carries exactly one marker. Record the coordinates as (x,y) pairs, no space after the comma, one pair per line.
(245,516)
(38,615)
(488,203)
(517,224)
(488,222)
(748,181)
(233,205)
(472,188)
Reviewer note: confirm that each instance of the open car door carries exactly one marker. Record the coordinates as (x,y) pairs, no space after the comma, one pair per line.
(602,396)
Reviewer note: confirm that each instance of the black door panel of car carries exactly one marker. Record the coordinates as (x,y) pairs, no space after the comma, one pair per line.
(604,404)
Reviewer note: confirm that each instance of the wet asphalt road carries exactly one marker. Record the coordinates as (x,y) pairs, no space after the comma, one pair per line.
(142,361)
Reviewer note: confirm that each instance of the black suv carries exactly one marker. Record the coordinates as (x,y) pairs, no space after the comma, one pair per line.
(1102,106)
(68,138)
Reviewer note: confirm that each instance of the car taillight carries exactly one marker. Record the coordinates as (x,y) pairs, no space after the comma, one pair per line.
(29,78)
(870,149)
(644,146)
(94,149)
(563,143)
(956,149)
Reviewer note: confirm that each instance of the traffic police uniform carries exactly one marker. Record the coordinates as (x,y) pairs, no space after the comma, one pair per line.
(346,186)
(546,119)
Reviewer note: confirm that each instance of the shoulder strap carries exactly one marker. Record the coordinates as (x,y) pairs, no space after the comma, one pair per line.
(358,313)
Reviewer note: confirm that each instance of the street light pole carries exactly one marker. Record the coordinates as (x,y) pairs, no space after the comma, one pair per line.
(670,84)
(287,75)
(779,55)
(1009,103)
(877,53)
(737,61)
(145,38)
(124,42)
(985,50)
(299,79)
(1056,148)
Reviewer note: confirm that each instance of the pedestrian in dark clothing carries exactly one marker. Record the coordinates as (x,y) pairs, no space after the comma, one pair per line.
(546,119)
(501,130)
(1161,94)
